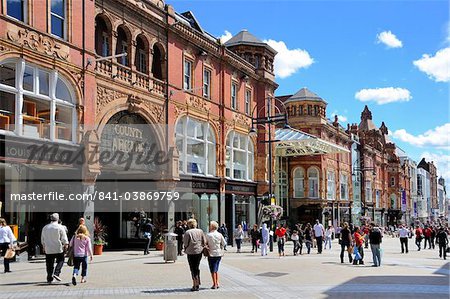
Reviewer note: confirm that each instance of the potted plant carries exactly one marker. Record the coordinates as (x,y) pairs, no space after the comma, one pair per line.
(159,230)
(99,236)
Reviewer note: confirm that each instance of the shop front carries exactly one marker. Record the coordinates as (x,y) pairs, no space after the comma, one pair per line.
(240,205)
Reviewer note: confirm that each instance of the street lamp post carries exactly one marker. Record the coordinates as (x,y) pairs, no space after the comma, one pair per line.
(269,118)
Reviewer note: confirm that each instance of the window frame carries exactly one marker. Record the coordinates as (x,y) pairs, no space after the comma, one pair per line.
(234,95)
(189,76)
(53,102)
(368,191)
(298,180)
(331,185)
(63,18)
(184,136)
(344,186)
(24,11)
(248,100)
(207,85)
(313,193)
(248,150)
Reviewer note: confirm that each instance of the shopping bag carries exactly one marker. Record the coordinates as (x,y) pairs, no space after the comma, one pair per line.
(10,253)
(356,253)
(70,257)
(350,249)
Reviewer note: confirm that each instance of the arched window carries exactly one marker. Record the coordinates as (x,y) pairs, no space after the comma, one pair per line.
(299,182)
(157,63)
(122,46)
(102,37)
(393,201)
(141,60)
(239,157)
(313,182)
(196,145)
(48,105)
(331,186)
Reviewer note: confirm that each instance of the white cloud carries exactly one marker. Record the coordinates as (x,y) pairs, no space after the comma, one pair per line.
(384,95)
(389,39)
(341,118)
(225,37)
(289,61)
(438,137)
(437,67)
(442,162)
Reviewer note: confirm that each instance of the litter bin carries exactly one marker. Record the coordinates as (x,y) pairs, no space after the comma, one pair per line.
(170,247)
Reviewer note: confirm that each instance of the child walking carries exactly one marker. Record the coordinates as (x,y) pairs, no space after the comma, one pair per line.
(81,244)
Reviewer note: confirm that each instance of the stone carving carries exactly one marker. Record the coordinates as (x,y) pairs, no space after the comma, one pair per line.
(156,111)
(179,109)
(241,120)
(198,103)
(3,48)
(105,96)
(38,42)
(133,103)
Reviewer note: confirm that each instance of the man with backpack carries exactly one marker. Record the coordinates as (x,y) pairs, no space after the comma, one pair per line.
(375,238)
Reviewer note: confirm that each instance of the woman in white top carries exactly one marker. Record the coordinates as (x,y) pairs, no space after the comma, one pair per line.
(216,243)
(238,237)
(328,236)
(6,241)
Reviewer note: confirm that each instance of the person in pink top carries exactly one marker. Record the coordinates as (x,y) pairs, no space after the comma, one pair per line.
(82,248)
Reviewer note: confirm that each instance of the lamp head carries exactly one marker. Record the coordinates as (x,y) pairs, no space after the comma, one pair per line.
(253,132)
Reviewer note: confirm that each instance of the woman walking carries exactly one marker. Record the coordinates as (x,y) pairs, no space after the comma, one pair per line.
(7,239)
(238,237)
(295,241)
(308,237)
(345,239)
(216,244)
(81,244)
(328,236)
(255,235)
(194,241)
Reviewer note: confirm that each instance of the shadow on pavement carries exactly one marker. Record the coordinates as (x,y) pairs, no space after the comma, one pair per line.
(168,291)
(158,263)
(21,283)
(395,286)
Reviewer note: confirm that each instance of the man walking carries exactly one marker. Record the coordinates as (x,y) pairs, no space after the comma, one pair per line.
(319,232)
(54,242)
(442,239)
(418,233)
(375,244)
(148,229)
(403,233)
(224,231)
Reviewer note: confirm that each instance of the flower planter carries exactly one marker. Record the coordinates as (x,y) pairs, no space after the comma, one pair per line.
(159,245)
(98,249)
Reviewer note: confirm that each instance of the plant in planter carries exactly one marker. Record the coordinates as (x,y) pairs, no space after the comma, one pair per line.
(160,228)
(100,235)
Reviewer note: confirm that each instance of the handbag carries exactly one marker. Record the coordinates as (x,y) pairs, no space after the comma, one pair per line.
(10,253)
(350,249)
(205,251)
(70,255)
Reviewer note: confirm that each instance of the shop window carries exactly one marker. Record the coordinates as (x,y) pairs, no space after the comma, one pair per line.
(299,182)
(239,158)
(158,63)
(48,109)
(17,9)
(141,59)
(313,182)
(58,17)
(7,111)
(187,74)
(378,198)
(122,46)
(102,37)
(331,186)
(344,187)
(196,146)
(206,83)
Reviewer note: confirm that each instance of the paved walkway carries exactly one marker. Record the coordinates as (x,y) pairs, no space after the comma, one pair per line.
(130,274)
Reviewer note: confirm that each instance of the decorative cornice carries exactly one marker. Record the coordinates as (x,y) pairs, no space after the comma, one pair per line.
(241,120)
(38,42)
(197,103)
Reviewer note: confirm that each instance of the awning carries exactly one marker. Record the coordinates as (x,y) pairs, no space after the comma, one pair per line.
(292,142)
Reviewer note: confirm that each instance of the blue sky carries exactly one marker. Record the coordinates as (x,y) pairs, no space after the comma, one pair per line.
(340,38)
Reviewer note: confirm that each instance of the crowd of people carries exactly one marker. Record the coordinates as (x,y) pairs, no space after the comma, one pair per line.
(196,244)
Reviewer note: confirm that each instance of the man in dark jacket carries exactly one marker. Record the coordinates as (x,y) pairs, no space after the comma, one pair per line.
(442,239)
(375,237)
(179,230)
(224,231)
